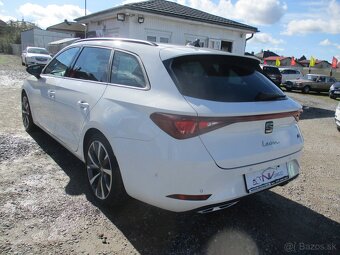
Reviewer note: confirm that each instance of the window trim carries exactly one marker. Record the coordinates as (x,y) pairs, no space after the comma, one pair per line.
(146,78)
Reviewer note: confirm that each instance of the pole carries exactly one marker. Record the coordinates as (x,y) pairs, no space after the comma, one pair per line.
(85,7)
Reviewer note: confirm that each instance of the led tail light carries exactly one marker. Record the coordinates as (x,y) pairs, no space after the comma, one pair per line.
(183,127)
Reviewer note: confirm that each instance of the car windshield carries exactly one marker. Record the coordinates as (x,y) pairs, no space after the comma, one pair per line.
(221,78)
(37,51)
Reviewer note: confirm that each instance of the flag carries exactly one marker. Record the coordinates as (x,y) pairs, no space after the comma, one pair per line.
(293,62)
(277,62)
(311,61)
(334,62)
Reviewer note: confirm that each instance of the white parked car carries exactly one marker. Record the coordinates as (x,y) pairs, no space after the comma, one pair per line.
(337,117)
(290,74)
(178,127)
(35,55)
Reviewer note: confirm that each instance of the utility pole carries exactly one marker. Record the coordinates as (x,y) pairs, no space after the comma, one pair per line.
(85,7)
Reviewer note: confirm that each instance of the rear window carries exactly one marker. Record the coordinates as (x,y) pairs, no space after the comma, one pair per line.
(221,78)
(271,70)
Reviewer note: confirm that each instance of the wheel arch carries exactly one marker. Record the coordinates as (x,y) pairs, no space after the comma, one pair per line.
(88,133)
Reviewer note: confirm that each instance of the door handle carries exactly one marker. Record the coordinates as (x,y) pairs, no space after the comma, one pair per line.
(83,105)
(51,93)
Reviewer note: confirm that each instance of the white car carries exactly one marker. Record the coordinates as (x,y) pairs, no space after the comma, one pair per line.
(35,55)
(178,127)
(290,74)
(337,117)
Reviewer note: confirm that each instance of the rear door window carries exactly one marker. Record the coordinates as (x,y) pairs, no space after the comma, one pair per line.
(221,78)
(92,64)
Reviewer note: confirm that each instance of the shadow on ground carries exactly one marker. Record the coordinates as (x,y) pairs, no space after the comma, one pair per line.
(266,223)
(316,113)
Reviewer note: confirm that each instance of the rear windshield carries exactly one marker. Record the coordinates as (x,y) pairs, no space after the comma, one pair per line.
(271,70)
(221,78)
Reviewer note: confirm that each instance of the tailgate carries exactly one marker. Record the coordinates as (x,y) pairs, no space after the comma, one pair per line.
(253,132)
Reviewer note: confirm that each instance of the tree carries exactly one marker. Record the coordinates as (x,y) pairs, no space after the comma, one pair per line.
(11,34)
(302,58)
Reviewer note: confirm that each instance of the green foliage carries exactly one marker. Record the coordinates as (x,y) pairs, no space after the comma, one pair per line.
(11,34)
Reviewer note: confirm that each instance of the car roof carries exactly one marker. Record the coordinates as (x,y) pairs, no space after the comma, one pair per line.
(288,68)
(318,74)
(31,47)
(166,50)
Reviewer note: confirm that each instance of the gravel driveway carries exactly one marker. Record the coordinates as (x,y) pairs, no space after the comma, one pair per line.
(45,207)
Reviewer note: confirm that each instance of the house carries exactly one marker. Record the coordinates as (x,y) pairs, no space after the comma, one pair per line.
(284,61)
(168,22)
(265,54)
(70,27)
(40,38)
(318,63)
(2,23)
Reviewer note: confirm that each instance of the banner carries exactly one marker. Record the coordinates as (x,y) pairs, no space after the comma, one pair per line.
(312,62)
(277,62)
(334,62)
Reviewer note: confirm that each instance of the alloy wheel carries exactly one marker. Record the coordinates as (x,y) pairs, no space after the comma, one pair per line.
(25,109)
(99,169)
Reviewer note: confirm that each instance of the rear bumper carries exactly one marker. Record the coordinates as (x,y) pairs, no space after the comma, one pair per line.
(337,118)
(334,93)
(226,204)
(152,175)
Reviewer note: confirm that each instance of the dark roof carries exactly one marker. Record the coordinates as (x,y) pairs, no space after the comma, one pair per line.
(266,54)
(67,26)
(171,9)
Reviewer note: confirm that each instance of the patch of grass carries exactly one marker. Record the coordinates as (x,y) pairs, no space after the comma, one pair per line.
(2,59)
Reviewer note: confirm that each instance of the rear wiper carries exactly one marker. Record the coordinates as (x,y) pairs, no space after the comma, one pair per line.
(268,97)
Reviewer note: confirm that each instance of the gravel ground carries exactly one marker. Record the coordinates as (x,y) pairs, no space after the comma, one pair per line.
(47,209)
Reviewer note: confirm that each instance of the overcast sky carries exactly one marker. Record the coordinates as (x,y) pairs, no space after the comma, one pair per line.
(287,27)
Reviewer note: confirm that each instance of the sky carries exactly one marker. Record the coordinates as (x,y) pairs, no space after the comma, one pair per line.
(290,28)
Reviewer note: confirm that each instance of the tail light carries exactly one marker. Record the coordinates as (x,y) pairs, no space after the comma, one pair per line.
(183,127)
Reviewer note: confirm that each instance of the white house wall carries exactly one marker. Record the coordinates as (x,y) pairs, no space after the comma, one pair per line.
(179,31)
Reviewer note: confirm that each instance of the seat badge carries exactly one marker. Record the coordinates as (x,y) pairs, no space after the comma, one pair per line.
(268,127)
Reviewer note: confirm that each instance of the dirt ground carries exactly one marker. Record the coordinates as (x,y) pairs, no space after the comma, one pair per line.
(45,207)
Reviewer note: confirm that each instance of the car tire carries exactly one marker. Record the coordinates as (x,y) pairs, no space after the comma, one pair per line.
(331,96)
(338,127)
(288,90)
(26,113)
(306,89)
(104,177)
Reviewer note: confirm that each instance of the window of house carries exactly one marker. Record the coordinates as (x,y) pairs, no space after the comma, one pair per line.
(91,64)
(127,70)
(59,65)
(164,40)
(151,38)
(227,46)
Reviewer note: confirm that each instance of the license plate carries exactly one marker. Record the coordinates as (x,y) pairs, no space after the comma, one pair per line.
(266,178)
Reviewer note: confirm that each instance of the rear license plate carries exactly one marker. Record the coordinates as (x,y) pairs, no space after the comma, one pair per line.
(266,178)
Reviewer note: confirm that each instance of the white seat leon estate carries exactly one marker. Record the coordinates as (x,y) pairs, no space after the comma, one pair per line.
(178,127)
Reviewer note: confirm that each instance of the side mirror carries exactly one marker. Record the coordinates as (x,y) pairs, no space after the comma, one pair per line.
(35,70)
